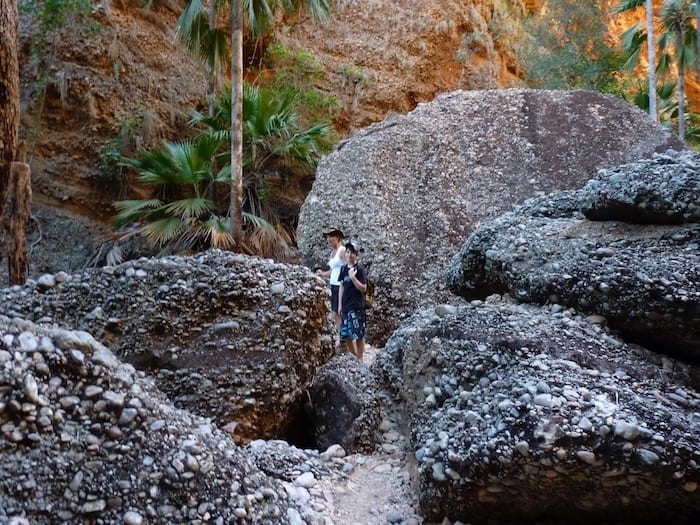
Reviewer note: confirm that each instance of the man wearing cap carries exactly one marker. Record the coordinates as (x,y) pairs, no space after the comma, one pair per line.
(353,279)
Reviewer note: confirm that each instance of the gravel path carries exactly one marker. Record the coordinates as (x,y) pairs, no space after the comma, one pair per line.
(373,488)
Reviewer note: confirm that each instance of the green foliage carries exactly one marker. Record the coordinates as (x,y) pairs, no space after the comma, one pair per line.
(114,149)
(273,139)
(351,73)
(184,218)
(187,215)
(52,16)
(296,71)
(568,47)
(678,37)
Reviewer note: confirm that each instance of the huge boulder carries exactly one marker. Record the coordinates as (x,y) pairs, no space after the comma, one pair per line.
(224,334)
(412,188)
(85,438)
(521,414)
(639,268)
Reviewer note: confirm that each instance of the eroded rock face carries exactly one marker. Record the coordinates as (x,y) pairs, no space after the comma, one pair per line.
(522,414)
(86,438)
(412,188)
(643,278)
(230,337)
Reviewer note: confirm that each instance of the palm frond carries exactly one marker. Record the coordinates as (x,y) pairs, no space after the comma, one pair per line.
(162,231)
(258,15)
(217,232)
(192,26)
(320,9)
(189,208)
(628,5)
(266,239)
(133,210)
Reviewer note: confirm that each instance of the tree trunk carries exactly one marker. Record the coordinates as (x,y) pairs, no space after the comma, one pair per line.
(681,103)
(236,205)
(9,95)
(651,58)
(17,210)
(211,83)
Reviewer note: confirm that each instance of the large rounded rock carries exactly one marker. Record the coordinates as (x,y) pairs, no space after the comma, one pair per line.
(343,399)
(85,438)
(224,334)
(644,279)
(522,415)
(412,188)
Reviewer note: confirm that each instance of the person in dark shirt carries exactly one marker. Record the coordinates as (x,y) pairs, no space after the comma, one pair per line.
(353,285)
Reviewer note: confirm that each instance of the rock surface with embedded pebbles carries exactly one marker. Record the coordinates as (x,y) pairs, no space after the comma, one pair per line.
(638,270)
(343,401)
(86,438)
(526,414)
(224,334)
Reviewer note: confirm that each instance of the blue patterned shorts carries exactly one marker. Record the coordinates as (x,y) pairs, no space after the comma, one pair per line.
(352,325)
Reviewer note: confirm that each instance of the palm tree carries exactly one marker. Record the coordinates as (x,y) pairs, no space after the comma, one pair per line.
(633,39)
(182,217)
(198,29)
(272,141)
(677,21)
(255,16)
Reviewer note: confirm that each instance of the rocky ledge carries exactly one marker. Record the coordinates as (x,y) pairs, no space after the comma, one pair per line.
(223,334)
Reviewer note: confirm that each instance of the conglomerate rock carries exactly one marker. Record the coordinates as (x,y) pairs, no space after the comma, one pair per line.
(412,188)
(343,399)
(85,438)
(522,414)
(643,278)
(230,337)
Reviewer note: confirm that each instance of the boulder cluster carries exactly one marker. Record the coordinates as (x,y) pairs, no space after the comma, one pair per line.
(223,334)
(520,414)
(412,188)
(544,362)
(85,437)
(636,261)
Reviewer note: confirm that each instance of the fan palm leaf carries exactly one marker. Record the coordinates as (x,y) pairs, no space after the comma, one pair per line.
(134,210)
(163,231)
(189,208)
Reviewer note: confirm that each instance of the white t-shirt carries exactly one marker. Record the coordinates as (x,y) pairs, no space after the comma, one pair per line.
(335,264)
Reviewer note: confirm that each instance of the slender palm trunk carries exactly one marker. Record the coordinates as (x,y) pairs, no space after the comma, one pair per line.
(211,85)
(236,205)
(681,103)
(651,57)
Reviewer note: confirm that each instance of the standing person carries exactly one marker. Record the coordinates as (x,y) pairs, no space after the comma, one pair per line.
(334,237)
(352,301)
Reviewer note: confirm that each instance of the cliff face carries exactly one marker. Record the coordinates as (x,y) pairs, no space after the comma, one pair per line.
(118,80)
(385,56)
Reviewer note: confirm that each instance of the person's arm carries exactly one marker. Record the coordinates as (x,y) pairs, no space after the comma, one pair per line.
(354,274)
(340,301)
(323,273)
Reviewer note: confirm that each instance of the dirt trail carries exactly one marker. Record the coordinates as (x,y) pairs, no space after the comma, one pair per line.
(378,488)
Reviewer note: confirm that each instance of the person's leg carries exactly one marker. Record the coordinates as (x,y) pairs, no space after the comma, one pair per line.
(335,291)
(360,348)
(350,345)
(345,333)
